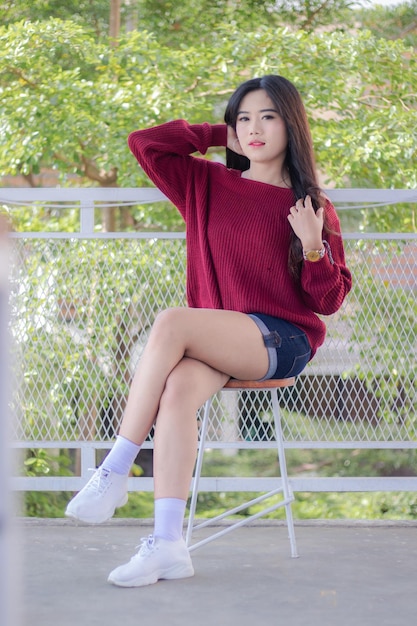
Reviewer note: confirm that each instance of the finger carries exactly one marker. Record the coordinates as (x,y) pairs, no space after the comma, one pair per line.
(236,146)
(320,213)
(308,203)
(232,140)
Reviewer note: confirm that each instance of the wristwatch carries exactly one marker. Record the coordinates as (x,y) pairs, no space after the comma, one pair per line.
(314,255)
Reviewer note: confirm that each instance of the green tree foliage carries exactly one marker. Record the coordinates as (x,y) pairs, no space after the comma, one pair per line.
(392,22)
(175,23)
(311,15)
(93,15)
(69,102)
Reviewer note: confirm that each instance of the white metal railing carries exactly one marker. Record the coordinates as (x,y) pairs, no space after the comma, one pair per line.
(82,304)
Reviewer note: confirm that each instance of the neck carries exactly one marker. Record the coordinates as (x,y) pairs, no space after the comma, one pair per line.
(269,177)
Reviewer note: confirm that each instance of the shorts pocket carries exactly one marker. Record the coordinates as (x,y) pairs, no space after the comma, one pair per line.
(298,364)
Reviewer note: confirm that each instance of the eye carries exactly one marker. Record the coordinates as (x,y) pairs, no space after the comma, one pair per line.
(268,117)
(242,118)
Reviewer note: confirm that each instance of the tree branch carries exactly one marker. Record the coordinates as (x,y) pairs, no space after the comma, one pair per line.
(105,179)
(14,70)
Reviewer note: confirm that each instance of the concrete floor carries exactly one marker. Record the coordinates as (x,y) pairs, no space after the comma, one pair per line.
(361,574)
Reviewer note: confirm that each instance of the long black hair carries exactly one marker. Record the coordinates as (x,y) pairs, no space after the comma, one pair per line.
(299,159)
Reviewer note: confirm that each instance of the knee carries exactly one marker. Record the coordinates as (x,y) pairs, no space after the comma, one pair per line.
(165,325)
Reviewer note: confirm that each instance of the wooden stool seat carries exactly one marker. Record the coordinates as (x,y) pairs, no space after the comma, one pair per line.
(272,383)
(271,386)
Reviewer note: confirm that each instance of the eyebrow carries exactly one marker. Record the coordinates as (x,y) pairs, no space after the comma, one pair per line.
(260,111)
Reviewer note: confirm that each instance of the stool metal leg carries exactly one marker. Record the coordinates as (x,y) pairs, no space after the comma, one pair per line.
(284,489)
(197,472)
(288,494)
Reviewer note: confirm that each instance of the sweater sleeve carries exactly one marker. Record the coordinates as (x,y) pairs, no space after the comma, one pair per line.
(164,152)
(326,283)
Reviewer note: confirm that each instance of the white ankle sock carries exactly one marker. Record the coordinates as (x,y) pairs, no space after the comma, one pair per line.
(121,456)
(169,518)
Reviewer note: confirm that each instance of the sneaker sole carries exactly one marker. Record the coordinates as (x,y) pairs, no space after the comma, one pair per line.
(174,573)
(95,520)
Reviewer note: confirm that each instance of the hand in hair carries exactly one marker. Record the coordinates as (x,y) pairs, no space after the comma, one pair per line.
(307,224)
(233,142)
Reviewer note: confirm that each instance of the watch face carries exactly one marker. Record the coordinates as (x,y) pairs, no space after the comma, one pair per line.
(313,255)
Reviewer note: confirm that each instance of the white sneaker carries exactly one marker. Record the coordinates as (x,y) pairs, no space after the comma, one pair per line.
(156,559)
(96,502)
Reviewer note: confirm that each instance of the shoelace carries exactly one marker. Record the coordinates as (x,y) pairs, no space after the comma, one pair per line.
(98,482)
(146,547)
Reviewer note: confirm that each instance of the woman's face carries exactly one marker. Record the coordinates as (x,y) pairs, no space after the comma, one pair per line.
(260,129)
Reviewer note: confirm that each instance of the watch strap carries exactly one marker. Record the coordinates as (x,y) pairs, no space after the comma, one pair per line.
(322,252)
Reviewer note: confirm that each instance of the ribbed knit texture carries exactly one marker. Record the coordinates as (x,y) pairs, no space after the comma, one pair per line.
(238,234)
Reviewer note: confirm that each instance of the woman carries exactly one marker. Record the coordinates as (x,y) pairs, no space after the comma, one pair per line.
(264,256)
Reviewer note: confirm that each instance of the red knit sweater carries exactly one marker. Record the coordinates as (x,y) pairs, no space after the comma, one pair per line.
(237,232)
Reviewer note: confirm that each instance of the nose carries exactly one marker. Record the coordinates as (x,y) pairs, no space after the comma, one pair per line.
(254,130)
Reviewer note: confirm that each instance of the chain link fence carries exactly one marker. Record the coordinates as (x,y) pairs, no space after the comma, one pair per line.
(82,305)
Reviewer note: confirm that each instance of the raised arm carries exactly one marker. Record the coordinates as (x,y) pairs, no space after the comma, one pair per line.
(164,152)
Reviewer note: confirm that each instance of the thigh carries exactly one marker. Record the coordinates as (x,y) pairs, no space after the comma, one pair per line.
(227,341)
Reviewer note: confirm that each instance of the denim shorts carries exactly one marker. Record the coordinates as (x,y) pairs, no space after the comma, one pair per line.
(287,345)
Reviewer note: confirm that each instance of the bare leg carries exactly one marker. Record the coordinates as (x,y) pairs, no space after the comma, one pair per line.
(226,341)
(175,442)
(190,355)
